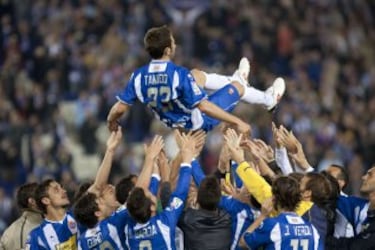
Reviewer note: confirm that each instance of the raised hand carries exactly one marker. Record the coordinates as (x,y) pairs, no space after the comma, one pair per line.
(199,138)
(265,151)
(243,128)
(233,143)
(114,139)
(288,140)
(187,147)
(153,149)
(276,135)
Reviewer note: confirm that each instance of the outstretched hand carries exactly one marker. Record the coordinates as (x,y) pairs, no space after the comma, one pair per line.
(114,139)
(233,141)
(153,149)
(187,144)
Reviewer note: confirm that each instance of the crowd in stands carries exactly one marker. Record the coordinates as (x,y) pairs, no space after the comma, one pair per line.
(80,51)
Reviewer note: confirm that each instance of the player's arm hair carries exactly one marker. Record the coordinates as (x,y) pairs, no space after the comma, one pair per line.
(151,153)
(175,168)
(104,170)
(164,167)
(116,112)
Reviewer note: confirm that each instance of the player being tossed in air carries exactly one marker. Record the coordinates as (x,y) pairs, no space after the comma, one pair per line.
(177,99)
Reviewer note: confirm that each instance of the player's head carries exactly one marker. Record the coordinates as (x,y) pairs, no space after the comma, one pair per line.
(50,195)
(25,196)
(82,189)
(315,187)
(139,205)
(90,209)
(368,181)
(286,193)
(340,174)
(123,188)
(108,196)
(209,193)
(159,42)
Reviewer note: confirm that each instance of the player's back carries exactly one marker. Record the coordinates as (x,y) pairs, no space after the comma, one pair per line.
(108,234)
(206,229)
(286,231)
(169,90)
(157,233)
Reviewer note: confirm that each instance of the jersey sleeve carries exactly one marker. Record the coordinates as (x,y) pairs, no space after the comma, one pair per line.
(354,210)
(260,236)
(191,93)
(255,183)
(154,184)
(229,204)
(128,95)
(119,218)
(176,203)
(197,172)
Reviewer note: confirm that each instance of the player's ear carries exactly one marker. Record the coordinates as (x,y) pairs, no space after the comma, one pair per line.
(167,51)
(98,213)
(46,201)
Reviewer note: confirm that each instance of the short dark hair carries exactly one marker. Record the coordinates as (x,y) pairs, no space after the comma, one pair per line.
(286,193)
(123,189)
(139,206)
(25,192)
(209,193)
(297,176)
(84,210)
(343,174)
(156,40)
(41,192)
(334,185)
(82,189)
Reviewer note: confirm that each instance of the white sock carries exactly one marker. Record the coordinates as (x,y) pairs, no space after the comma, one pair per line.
(255,96)
(215,81)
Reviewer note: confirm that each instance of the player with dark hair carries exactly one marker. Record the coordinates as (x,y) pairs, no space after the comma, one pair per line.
(173,94)
(340,174)
(147,230)
(204,225)
(287,230)
(58,229)
(14,237)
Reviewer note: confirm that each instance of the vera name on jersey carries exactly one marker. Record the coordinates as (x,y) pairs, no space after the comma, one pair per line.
(299,230)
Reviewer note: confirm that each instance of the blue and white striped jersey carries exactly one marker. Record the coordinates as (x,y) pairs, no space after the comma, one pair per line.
(54,235)
(286,231)
(159,231)
(169,90)
(354,210)
(242,217)
(108,234)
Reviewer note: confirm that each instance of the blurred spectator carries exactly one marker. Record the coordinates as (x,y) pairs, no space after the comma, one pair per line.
(54,53)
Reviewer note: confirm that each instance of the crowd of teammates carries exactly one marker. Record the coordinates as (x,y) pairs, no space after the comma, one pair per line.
(259,197)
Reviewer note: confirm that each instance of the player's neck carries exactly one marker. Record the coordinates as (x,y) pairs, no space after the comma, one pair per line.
(371,198)
(55,214)
(164,58)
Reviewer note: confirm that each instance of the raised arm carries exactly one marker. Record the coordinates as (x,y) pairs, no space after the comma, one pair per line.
(214,111)
(116,112)
(104,170)
(151,153)
(281,155)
